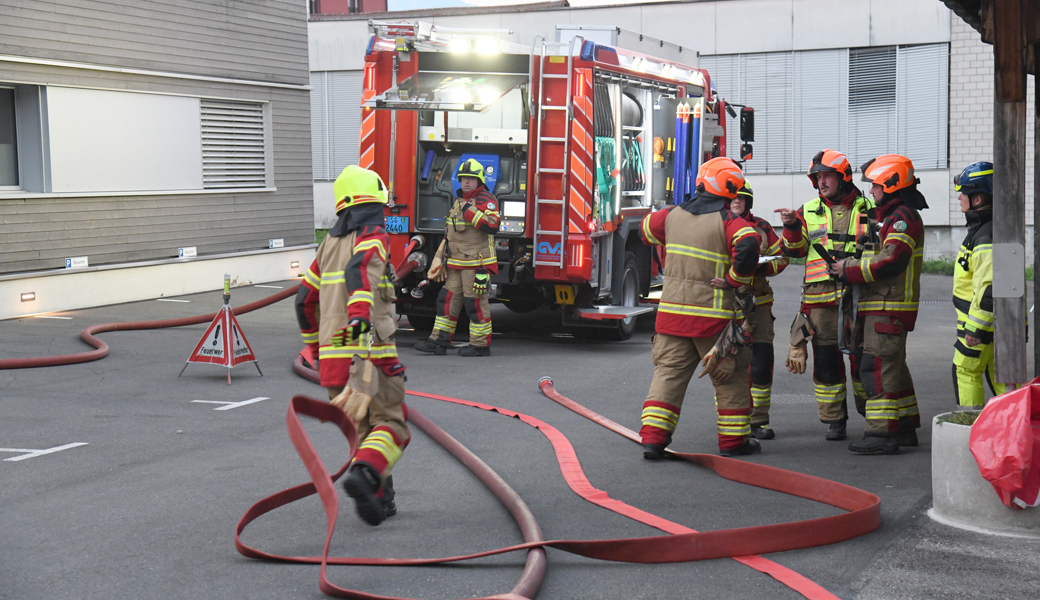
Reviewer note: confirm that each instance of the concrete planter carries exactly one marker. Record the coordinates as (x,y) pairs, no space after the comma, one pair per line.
(961,497)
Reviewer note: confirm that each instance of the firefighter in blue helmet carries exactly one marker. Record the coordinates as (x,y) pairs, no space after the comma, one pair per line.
(972,288)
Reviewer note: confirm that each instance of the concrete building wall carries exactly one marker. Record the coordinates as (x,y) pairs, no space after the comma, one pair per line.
(253,51)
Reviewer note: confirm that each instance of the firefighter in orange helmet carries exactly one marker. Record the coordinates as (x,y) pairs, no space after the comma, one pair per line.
(762,334)
(344,309)
(709,252)
(835,219)
(469,252)
(889,291)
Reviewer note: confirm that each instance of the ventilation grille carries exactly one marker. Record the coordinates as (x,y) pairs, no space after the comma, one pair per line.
(233,154)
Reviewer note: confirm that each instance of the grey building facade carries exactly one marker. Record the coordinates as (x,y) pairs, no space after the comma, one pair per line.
(132,129)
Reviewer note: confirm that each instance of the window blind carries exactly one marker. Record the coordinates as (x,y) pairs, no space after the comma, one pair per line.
(821,103)
(872,103)
(233,144)
(922,93)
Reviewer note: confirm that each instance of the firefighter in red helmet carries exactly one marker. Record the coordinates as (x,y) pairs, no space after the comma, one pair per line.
(709,252)
(344,308)
(835,220)
(469,254)
(762,334)
(889,291)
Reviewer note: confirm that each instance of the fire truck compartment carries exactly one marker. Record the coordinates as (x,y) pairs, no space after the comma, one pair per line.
(614,313)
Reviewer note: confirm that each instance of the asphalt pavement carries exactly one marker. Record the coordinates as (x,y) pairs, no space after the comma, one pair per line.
(147,506)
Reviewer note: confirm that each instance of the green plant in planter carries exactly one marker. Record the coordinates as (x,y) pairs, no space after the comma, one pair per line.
(961,417)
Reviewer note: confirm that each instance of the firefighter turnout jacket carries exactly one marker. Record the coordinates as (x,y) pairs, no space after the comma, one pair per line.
(890,281)
(699,248)
(471,228)
(841,223)
(348,279)
(769,245)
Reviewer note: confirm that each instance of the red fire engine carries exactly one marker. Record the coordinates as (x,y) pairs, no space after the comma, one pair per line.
(579,140)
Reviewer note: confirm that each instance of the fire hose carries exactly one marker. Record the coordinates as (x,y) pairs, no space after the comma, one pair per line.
(682,545)
(88,335)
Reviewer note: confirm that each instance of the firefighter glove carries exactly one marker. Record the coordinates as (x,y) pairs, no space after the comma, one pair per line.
(353,403)
(481,281)
(346,336)
(797,358)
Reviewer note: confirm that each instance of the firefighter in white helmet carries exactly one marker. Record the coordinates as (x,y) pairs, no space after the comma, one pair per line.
(345,308)
(469,255)
(709,252)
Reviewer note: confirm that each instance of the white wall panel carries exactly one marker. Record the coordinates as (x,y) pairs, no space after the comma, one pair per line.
(694,28)
(102,141)
(895,22)
(830,24)
(337,45)
(753,26)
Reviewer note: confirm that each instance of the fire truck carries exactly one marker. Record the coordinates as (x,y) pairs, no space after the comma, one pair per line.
(579,139)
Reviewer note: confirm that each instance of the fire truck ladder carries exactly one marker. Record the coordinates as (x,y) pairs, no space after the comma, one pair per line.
(548,227)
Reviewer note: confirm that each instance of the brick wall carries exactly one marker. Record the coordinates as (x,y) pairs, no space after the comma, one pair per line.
(971,113)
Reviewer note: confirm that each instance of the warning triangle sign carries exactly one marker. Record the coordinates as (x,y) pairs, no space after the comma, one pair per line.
(213,346)
(241,351)
(224,344)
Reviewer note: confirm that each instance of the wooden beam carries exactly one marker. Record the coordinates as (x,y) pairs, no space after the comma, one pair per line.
(1009,172)
(1009,50)
(1031,22)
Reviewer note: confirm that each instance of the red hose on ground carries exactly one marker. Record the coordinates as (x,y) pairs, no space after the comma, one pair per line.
(101,351)
(685,544)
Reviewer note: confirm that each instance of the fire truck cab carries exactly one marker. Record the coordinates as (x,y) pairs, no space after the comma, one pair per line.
(579,141)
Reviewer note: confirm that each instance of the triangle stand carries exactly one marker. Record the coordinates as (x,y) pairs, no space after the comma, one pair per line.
(224,342)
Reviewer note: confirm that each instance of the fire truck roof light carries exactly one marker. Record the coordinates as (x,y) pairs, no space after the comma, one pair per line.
(487,46)
(459,46)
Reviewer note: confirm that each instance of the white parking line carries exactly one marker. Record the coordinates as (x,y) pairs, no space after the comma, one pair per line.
(52,317)
(171,300)
(273,287)
(230,405)
(28,453)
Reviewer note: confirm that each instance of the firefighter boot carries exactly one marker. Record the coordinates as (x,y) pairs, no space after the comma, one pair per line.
(362,485)
(874,444)
(907,438)
(431,347)
(762,432)
(475,351)
(836,433)
(388,496)
(750,446)
(656,451)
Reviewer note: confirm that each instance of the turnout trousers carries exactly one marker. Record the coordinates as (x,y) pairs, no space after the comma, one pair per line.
(458,290)
(829,368)
(675,360)
(890,405)
(383,433)
(972,364)
(762,365)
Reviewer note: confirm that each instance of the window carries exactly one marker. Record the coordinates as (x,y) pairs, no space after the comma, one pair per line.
(8,145)
(862,101)
(335,121)
(233,144)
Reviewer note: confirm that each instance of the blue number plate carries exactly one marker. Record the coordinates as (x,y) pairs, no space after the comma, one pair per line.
(396,225)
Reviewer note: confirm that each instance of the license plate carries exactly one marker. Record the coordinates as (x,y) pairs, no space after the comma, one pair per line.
(396,225)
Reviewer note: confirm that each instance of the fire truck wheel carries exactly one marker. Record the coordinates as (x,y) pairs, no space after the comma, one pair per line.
(523,305)
(421,323)
(629,297)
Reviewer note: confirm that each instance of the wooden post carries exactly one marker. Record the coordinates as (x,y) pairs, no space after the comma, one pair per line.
(1032,33)
(1009,157)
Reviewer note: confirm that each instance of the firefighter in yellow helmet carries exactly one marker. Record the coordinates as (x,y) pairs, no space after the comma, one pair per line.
(762,347)
(835,219)
(344,308)
(469,255)
(709,253)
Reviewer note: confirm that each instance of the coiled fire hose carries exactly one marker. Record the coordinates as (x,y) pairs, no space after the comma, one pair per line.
(683,545)
(101,348)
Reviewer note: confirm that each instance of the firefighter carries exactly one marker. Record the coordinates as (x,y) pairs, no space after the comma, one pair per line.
(709,252)
(344,308)
(470,256)
(972,293)
(835,220)
(889,286)
(762,347)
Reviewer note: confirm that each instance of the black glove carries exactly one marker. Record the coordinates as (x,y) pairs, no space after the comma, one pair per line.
(355,328)
(481,281)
